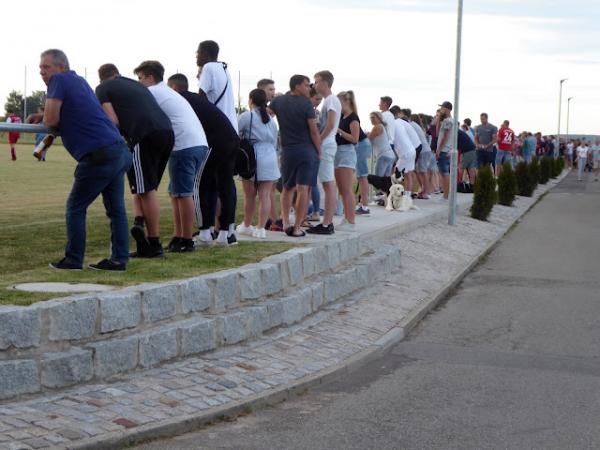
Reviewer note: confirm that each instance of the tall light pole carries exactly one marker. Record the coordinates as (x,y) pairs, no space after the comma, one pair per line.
(454,151)
(568,110)
(556,150)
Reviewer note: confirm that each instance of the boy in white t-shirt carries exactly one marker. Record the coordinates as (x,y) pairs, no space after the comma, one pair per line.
(187,158)
(331,112)
(214,81)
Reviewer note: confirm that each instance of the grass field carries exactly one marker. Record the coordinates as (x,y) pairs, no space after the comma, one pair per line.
(32,199)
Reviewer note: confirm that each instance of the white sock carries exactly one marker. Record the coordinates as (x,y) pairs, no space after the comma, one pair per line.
(205,235)
(223,235)
(231,229)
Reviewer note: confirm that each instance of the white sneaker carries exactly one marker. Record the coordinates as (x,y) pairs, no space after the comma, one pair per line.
(242,229)
(259,233)
(199,242)
(345,226)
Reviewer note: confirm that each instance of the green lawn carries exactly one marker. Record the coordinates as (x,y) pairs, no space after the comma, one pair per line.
(32,199)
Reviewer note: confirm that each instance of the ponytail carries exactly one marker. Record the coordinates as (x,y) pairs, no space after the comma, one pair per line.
(259,98)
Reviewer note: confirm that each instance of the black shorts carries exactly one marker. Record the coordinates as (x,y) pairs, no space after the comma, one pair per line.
(418,152)
(299,166)
(150,158)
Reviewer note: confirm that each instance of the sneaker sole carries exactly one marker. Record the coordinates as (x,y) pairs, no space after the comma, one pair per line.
(63,268)
(105,270)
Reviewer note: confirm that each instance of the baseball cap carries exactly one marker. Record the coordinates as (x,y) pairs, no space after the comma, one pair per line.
(446,105)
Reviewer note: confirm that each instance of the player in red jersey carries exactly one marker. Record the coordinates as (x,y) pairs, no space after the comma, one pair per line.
(506,144)
(13,137)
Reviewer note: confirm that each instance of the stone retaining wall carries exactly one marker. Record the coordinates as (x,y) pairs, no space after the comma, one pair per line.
(78,339)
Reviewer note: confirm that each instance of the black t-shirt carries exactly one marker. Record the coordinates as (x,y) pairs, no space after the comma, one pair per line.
(345,126)
(293,113)
(465,143)
(220,134)
(137,110)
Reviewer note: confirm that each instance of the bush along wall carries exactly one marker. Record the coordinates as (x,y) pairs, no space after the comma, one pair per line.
(534,170)
(484,194)
(507,185)
(545,169)
(525,182)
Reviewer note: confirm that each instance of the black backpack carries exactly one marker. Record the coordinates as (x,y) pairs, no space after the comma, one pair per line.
(245,158)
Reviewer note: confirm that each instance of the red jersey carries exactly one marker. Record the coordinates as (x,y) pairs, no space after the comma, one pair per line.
(506,139)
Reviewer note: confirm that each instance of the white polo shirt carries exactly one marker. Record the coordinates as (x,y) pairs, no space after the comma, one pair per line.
(214,80)
(186,126)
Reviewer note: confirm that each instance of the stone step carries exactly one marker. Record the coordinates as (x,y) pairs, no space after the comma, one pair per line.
(122,345)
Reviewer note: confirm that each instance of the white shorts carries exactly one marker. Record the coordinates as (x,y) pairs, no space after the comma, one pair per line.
(406,162)
(326,173)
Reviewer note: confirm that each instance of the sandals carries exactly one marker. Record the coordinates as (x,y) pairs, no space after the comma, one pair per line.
(290,232)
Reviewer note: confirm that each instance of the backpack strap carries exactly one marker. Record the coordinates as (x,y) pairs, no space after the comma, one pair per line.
(226,84)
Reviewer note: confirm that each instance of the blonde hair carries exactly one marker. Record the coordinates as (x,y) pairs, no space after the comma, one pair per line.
(350,96)
(379,117)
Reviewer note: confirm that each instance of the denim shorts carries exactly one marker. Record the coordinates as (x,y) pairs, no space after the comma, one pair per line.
(345,156)
(299,166)
(444,164)
(503,156)
(468,160)
(185,170)
(424,162)
(384,165)
(363,153)
(326,164)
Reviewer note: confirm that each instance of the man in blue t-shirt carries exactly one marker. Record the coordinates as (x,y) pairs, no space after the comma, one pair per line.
(102,160)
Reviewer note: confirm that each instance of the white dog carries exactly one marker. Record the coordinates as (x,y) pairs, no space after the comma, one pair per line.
(397,201)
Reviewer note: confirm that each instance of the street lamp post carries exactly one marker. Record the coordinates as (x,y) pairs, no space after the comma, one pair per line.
(568,111)
(454,151)
(556,150)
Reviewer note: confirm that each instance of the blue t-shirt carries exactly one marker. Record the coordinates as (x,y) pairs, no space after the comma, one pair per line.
(84,126)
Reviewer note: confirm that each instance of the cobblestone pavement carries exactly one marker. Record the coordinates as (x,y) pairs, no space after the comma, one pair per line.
(432,255)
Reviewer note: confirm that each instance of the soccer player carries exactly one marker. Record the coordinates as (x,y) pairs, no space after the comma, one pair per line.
(187,158)
(102,160)
(149,133)
(13,136)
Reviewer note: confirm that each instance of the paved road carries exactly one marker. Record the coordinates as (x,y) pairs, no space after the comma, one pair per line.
(510,361)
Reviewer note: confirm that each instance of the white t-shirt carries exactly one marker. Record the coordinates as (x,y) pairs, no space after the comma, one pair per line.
(570,148)
(422,138)
(214,79)
(412,134)
(402,143)
(186,126)
(331,103)
(582,151)
(389,119)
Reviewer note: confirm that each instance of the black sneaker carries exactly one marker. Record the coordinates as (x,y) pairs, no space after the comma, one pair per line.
(108,265)
(362,211)
(141,241)
(173,244)
(64,265)
(231,240)
(321,229)
(183,246)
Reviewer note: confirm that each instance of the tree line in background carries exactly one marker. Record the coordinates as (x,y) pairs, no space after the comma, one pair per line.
(14,103)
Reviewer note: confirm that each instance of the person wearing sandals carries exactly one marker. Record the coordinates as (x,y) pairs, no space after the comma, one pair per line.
(257,126)
(380,141)
(301,150)
(345,159)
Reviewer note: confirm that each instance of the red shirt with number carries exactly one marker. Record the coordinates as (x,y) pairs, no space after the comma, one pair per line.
(506,139)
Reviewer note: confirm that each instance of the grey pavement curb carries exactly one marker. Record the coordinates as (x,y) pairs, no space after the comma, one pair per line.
(396,334)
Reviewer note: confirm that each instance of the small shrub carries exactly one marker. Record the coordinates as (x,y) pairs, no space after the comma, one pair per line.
(484,194)
(545,169)
(507,185)
(525,182)
(534,170)
(557,167)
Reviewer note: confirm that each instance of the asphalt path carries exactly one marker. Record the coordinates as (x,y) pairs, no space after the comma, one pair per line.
(509,361)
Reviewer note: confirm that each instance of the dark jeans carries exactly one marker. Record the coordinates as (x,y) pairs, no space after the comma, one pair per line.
(99,172)
(217,181)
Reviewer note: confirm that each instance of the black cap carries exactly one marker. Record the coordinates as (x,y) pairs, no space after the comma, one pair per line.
(446,105)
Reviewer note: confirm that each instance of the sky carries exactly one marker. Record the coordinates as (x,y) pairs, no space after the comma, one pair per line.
(513,52)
